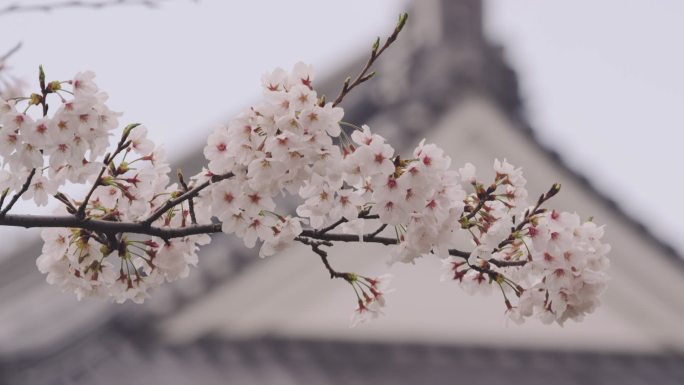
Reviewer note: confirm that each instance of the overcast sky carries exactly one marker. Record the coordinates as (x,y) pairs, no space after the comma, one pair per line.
(602,81)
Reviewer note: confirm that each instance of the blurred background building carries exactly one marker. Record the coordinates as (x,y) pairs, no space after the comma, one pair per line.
(242,320)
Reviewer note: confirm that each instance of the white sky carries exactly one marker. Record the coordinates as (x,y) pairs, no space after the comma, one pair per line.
(603,81)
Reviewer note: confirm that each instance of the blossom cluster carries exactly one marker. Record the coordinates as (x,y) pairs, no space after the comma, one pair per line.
(49,151)
(125,266)
(54,149)
(292,146)
(551,261)
(292,142)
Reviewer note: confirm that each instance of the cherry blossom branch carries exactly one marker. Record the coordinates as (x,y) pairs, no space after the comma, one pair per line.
(419,196)
(307,236)
(375,54)
(49,7)
(183,197)
(368,238)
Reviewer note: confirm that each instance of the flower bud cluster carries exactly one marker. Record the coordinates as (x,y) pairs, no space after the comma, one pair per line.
(370,294)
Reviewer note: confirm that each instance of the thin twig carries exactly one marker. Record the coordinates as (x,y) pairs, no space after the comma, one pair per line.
(19,193)
(333,226)
(108,159)
(378,231)
(191,203)
(65,200)
(183,197)
(316,248)
(80,213)
(2,198)
(375,53)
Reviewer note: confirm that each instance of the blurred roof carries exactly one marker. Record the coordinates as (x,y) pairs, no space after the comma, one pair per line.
(120,356)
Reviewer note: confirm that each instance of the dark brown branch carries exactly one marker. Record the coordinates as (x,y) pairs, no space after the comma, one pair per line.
(316,248)
(19,193)
(310,242)
(67,203)
(98,181)
(4,195)
(191,203)
(500,263)
(104,226)
(459,253)
(496,262)
(333,226)
(49,7)
(347,237)
(183,197)
(375,53)
(363,214)
(378,230)
(109,158)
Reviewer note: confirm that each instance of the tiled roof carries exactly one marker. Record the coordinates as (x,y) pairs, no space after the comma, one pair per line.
(113,357)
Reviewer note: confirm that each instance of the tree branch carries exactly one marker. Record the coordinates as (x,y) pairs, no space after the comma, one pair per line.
(333,226)
(49,7)
(105,226)
(191,204)
(313,234)
(19,193)
(185,196)
(378,230)
(316,248)
(500,263)
(109,158)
